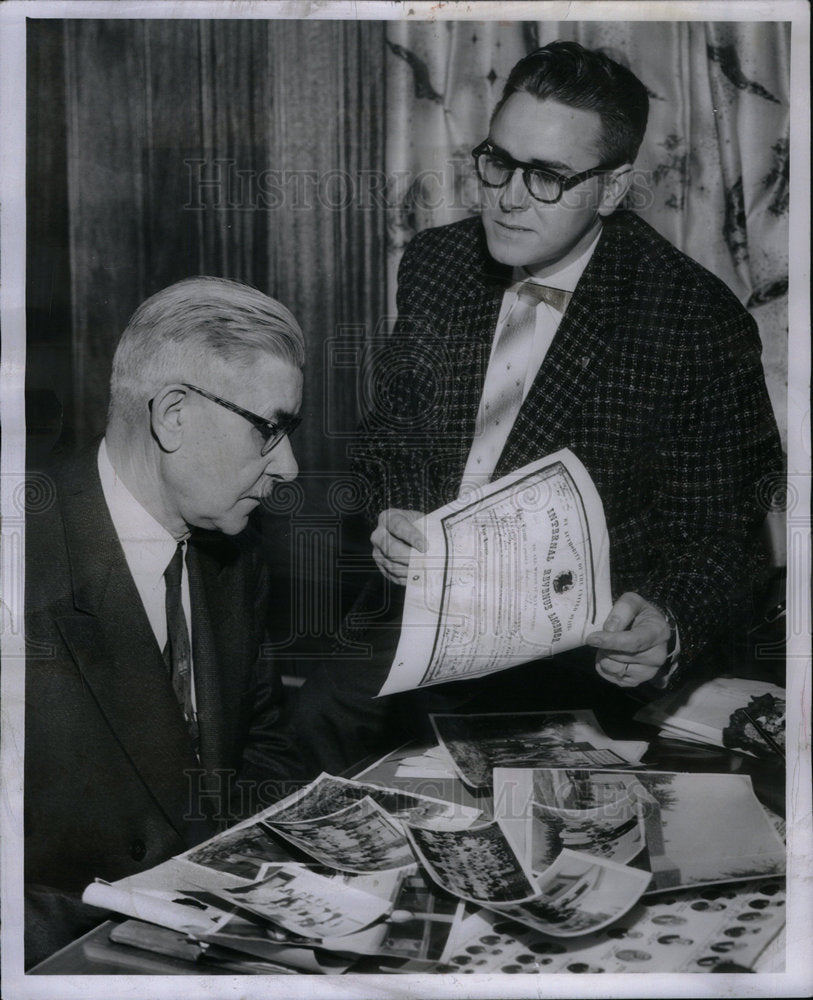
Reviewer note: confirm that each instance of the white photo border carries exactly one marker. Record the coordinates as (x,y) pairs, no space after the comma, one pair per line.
(798,979)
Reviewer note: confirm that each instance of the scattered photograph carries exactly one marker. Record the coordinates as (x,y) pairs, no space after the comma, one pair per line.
(362,837)
(240,852)
(475,864)
(479,743)
(698,828)
(572,789)
(418,929)
(578,894)
(425,933)
(328,794)
(305,903)
(617,834)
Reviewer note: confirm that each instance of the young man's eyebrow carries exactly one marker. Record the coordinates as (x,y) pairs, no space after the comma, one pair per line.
(535,162)
(551,164)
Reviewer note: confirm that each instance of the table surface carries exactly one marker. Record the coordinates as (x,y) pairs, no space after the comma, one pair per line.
(96,954)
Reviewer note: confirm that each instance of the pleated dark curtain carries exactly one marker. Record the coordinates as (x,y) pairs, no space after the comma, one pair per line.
(231,148)
(247,149)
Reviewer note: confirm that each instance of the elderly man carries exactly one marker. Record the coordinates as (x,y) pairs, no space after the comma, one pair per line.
(557,320)
(150,714)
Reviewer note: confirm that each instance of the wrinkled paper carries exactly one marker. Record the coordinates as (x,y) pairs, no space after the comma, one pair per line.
(513,571)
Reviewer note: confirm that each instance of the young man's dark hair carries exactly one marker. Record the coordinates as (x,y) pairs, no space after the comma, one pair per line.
(568,73)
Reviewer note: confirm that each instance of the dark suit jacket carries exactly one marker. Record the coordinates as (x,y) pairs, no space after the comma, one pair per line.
(112,785)
(653,380)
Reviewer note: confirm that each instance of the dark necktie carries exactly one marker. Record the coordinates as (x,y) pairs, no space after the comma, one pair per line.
(178,652)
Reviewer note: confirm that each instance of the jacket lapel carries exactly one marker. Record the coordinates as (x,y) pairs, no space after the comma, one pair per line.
(114,647)
(574,361)
(472,320)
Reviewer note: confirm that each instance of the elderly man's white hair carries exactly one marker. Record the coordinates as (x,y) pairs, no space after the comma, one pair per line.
(182,332)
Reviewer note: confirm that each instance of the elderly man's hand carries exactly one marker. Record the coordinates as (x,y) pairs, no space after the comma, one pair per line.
(633,645)
(393,541)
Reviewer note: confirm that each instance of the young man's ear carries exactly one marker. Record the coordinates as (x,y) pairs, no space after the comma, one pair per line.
(614,188)
(167,417)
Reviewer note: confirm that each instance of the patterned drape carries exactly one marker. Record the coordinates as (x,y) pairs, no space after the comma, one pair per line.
(712,175)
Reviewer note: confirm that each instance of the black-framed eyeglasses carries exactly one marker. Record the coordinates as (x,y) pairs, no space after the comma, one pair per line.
(495,169)
(272,431)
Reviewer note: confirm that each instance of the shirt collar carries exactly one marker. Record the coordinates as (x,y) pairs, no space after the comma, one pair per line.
(147,545)
(566,277)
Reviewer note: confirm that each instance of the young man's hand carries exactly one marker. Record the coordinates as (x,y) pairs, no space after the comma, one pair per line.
(393,541)
(634,643)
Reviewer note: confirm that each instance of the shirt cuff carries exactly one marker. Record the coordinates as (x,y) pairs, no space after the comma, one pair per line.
(663,677)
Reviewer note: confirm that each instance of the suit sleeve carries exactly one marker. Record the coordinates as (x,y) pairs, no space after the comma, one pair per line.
(409,377)
(271,765)
(718,460)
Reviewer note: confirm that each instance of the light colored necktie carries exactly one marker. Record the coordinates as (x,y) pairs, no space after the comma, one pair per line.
(504,390)
(178,652)
(556,297)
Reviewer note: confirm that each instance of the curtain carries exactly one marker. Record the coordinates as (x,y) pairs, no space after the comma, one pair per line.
(712,174)
(231,148)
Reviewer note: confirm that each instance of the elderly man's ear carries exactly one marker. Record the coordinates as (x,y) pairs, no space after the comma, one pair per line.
(167,417)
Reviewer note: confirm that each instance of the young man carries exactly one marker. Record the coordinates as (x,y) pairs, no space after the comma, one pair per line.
(647,367)
(557,320)
(150,713)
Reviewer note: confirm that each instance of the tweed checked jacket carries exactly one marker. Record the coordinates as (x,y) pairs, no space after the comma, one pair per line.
(653,380)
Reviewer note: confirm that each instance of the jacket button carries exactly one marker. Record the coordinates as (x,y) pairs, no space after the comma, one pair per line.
(138,850)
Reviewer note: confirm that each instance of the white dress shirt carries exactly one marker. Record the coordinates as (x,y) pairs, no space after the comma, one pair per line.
(148,548)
